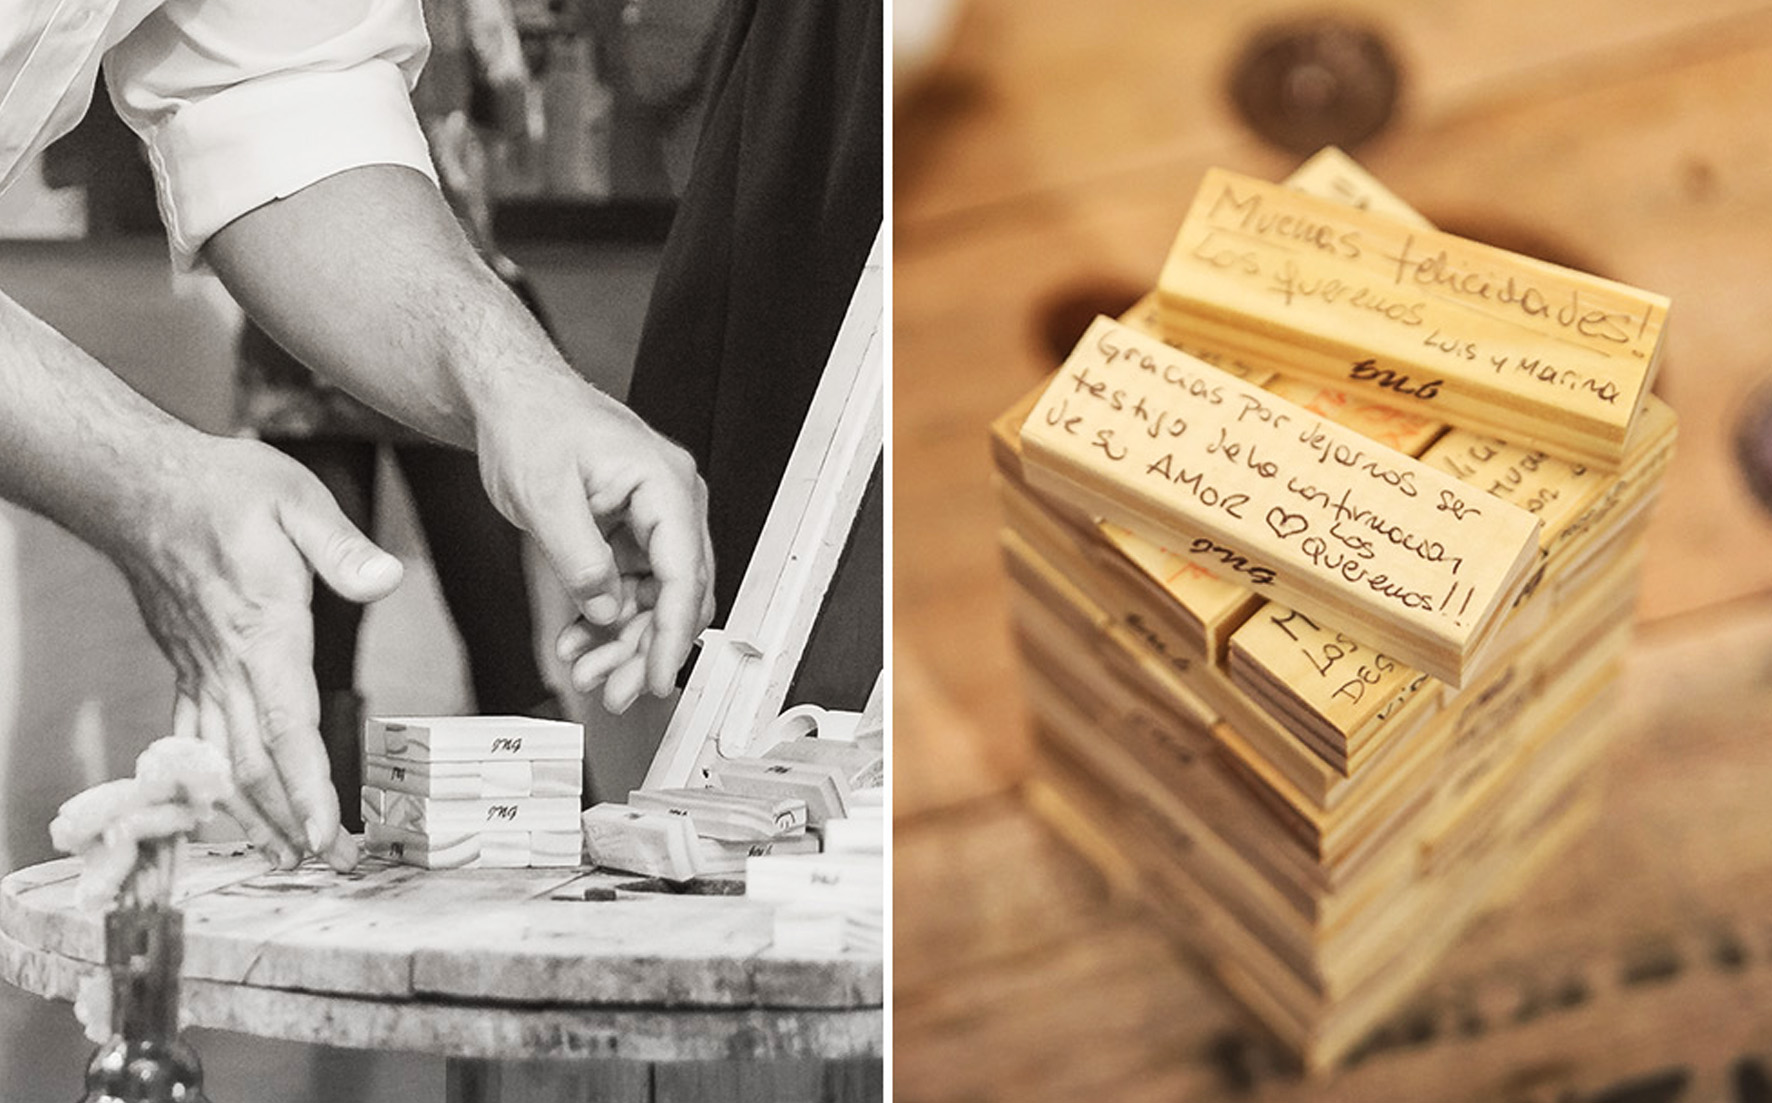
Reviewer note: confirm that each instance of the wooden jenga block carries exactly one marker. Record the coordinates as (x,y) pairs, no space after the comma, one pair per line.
(471,738)
(1331,174)
(451,780)
(724,856)
(863,767)
(845,880)
(651,844)
(823,788)
(549,849)
(373,804)
(1200,596)
(425,814)
(1300,509)
(450,850)
(1322,683)
(718,814)
(562,777)
(854,836)
(1481,337)
(1408,431)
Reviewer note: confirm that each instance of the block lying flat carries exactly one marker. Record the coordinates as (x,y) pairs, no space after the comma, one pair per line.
(1260,491)
(1477,336)
(843,879)
(475,849)
(467,738)
(503,777)
(416,813)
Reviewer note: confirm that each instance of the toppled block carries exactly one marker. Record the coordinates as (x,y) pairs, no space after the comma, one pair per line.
(633,840)
(823,788)
(863,766)
(719,814)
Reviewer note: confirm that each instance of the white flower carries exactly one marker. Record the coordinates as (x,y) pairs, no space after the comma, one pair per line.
(83,817)
(179,768)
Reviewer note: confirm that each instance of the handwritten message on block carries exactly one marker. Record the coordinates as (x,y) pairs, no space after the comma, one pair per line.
(1475,335)
(1207,598)
(1555,490)
(1347,688)
(1404,430)
(1265,493)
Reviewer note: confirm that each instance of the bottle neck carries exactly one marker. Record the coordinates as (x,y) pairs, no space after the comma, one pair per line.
(144,947)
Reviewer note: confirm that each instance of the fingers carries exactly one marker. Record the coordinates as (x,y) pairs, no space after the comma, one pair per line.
(709,599)
(201,718)
(574,640)
(673,528)
(342,855)
(340,554)
(626,682)
(607,653)
(263,808)
(184,715)
(260,834)
(280,687)
(192,720)
(580,556)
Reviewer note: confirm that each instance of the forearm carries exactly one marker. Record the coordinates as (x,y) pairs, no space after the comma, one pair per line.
(80,446)
(366,277)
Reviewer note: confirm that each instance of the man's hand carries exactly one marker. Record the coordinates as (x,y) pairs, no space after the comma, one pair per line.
(620,513)
(221,568)
(365,277)
(217,538)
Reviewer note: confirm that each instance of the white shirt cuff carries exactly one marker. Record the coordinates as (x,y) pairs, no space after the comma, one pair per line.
(228,153)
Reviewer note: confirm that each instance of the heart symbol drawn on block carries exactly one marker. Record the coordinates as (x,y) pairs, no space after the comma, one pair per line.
(1286,524)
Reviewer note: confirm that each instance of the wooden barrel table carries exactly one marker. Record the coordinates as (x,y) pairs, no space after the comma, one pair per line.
(480,966)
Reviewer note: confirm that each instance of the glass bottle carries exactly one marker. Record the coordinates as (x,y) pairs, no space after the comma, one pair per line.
(144,1061)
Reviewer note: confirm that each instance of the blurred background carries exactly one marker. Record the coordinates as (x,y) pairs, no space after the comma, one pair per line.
(1045,153)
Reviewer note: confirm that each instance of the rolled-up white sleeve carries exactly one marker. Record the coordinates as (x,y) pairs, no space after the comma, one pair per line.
(242,102)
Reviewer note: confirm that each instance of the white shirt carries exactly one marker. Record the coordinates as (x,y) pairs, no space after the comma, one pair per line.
(239,101)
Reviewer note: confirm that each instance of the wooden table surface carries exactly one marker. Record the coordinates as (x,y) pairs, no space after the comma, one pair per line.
(514,963)
(1040,173)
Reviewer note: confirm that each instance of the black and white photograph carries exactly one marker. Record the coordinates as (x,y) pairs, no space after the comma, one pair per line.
(442,550)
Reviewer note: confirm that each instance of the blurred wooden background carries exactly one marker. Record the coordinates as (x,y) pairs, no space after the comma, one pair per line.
(1041,169)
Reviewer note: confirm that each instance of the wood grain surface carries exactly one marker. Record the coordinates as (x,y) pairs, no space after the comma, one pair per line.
(1041,173)
(492,963)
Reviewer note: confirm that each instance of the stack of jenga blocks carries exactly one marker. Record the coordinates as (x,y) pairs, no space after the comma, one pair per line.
(1321,617)
(473,791)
